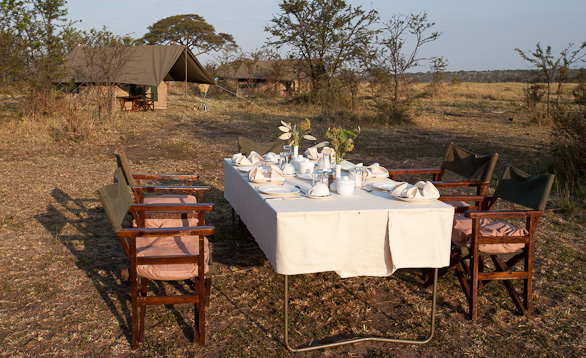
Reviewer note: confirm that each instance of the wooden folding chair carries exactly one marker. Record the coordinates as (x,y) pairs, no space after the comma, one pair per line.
(476,170)
(476,237)
(168,254)
(171,193)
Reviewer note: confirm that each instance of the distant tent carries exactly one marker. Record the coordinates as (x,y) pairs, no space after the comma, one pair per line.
(147,65)
(134,69)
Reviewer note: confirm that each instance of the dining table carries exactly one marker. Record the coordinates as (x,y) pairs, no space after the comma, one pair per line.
(368,233)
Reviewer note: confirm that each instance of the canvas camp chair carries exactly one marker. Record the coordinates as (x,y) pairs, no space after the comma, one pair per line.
(164,254)
(476,170)
(245,146)
(476,237)
(170,193)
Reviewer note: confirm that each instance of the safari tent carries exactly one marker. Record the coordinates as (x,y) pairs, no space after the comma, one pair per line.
(281,77)
(134,70)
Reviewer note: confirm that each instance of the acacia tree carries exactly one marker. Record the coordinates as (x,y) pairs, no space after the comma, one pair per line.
(548,66)
(189,30)
(398,51)
(324,34)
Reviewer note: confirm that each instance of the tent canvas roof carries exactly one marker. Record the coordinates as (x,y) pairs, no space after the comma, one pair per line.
(262,70)
(143,65)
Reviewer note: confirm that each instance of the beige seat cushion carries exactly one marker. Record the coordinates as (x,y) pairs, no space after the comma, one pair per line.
(462,234)
(167,221)
(170,246)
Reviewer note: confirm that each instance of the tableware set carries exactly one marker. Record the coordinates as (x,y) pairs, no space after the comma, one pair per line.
(268,173)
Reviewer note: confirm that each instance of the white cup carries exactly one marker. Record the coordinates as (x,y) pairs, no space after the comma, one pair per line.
(319,189)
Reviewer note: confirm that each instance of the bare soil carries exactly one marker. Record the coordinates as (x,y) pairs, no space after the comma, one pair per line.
(61,293)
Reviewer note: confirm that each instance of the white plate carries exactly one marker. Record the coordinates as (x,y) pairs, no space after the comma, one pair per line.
(386,185)
(413,200)
(289,175)
(319,197)
(278,190)
(305,176)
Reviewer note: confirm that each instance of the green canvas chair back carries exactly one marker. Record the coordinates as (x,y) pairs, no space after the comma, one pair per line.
(468,164)
(245,146)
(124,164)
(116,200)
(524,189)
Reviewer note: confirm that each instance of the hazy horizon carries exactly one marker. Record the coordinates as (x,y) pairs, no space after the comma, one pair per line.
(477,36)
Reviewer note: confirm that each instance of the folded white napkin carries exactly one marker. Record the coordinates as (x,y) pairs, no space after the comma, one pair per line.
(376,171)
(254,157)
(271,157)
(399,189)
(259,175)
(312,153)
(428,190)
(420,191)
(240,159)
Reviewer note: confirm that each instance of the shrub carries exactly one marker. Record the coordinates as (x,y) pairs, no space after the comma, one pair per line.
(569,149)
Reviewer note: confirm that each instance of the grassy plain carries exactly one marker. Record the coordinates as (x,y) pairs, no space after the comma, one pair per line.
(61,293)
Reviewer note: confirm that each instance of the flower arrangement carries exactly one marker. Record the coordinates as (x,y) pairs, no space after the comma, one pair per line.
(342,140)
(297,132)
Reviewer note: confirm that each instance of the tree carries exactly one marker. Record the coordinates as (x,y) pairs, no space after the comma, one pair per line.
(392,55)
(548,66)
(189,30)
(390,61)
(438,67)
(324,34)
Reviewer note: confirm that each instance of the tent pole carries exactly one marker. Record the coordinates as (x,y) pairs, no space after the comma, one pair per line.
(185,77)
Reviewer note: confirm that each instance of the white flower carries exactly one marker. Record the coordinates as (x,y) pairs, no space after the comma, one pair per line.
(285,136)
(284,129)
(309,137)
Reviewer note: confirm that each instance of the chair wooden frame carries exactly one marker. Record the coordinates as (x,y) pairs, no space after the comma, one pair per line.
(134,179)
(138,285)
(437,174)
(468,263)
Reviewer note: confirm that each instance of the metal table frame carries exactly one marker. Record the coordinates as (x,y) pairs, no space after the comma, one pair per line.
(361,339)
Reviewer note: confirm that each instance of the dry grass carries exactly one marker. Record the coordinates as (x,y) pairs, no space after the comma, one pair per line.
(61,293)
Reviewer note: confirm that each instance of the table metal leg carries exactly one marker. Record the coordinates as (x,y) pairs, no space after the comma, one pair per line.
(362,339)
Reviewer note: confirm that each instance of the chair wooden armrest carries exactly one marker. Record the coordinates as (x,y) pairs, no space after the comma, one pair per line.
(168,231)
(475,198)
(173,207)
(140,190)
(502,214)
(172,189)
(185,177)
(435,172)
(459,184)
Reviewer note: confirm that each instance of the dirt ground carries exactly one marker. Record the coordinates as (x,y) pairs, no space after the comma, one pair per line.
(61,293)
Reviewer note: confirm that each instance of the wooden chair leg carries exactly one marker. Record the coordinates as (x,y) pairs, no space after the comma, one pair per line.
(143,293)
(134,303)
(208,289)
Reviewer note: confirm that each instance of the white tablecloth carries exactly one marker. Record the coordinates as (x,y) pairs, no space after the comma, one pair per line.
(365,234)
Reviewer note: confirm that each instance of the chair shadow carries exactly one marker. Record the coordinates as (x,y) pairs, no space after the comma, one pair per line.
(99,255)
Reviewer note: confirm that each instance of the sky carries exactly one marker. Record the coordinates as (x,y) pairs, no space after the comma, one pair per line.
(476,35)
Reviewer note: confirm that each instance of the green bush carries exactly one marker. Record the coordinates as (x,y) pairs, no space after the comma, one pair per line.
(569,149)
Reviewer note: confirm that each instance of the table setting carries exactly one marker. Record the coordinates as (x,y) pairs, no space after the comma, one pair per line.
(317,212)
